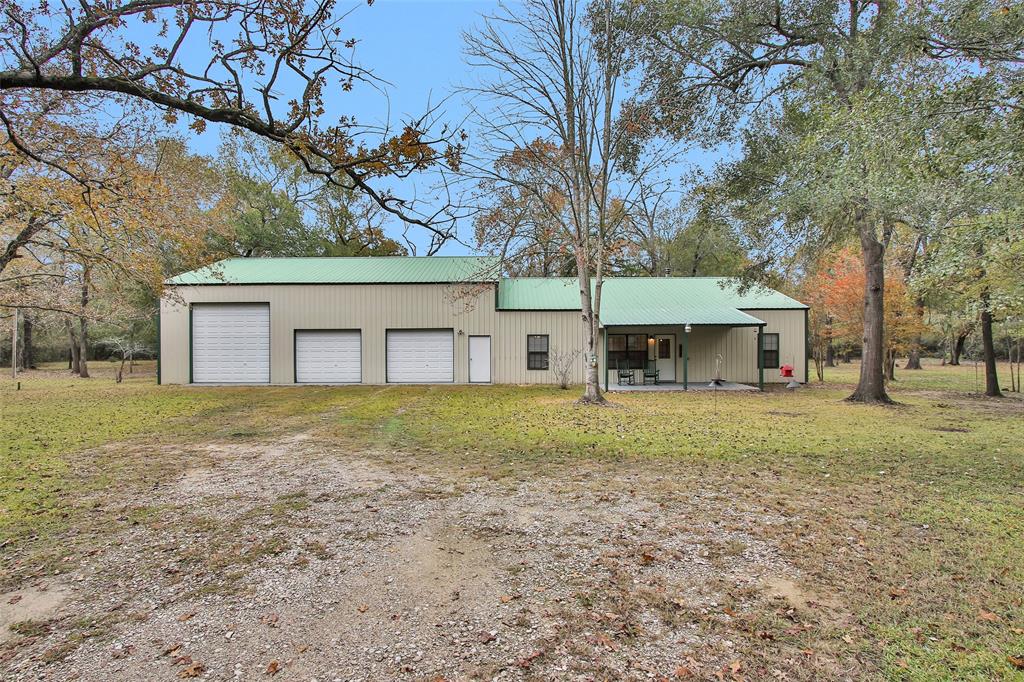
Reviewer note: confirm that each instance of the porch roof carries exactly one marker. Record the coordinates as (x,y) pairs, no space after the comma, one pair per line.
(634,301)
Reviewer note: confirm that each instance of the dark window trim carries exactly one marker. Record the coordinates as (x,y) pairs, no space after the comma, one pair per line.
(543,355)
(634,358)
(772,363)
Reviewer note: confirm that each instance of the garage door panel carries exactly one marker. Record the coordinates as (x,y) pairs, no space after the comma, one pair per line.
(328,357)
(420,356)
(231,343)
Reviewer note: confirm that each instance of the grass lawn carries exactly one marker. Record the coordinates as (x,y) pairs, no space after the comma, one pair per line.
(911,516)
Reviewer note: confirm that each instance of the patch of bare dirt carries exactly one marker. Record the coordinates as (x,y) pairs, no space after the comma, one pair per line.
(35,605)
(294,560)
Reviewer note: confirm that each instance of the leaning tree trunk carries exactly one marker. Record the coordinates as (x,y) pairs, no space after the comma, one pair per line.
(989,349)
(871,387)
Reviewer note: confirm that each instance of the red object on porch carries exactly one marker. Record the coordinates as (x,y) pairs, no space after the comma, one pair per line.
(786,371)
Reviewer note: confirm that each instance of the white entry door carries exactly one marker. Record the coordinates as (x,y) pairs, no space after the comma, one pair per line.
(665,352)
(328,357)
(480,359)
(230,343)
(420,356)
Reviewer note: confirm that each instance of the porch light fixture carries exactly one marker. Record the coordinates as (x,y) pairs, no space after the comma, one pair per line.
(688,328)
(650,340)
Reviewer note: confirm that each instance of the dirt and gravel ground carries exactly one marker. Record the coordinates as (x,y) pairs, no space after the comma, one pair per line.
(293,559)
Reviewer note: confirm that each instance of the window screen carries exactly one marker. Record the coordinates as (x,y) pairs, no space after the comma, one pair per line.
(537,351)
(771,351)
(627,351)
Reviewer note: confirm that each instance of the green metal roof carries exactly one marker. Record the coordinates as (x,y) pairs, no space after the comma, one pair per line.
(649,300)
(356,270)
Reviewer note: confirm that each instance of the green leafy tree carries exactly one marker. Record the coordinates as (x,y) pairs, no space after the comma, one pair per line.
(830,101)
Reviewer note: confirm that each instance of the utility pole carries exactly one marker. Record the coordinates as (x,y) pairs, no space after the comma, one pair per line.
(14,346)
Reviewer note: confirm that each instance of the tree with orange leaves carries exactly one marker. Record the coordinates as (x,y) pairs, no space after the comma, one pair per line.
(835,293)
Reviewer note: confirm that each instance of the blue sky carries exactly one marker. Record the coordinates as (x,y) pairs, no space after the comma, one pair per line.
(415,46)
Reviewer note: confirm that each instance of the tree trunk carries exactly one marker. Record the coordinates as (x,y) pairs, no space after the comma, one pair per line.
(83,347)
(74,349)
(890,366)
(914,360)
(592,392)
(989,350)
(83,328)
(830,354)
(871,387)
(27,359)
(958,348)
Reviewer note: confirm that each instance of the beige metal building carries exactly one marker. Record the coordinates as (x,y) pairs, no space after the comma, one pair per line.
(453,320)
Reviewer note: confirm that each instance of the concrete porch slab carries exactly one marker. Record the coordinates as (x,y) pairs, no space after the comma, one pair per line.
(672,387)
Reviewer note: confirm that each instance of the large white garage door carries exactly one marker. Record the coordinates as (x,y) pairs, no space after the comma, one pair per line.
(327,357)
(231,343)
(421,356)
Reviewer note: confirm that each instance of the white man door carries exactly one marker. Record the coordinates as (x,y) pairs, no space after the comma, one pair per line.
(665,356)
(480,359)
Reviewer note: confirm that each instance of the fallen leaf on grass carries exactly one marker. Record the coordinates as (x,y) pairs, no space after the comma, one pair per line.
(1016,661)
(194,670)
(988,616)
(273,667)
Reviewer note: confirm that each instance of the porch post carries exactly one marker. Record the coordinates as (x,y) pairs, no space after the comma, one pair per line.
(760,357)
(686,359)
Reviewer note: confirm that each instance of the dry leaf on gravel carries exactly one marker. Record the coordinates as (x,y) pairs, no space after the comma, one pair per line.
(186,616)
(273,667)
(362,608)
(194,670)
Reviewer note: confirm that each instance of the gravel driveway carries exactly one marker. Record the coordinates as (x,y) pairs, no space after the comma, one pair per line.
(295,560)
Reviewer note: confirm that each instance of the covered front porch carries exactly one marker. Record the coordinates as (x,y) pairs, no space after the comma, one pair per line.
(684,357)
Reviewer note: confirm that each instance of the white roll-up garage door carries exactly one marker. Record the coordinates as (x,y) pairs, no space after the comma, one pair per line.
(421,356)
(327,357)
(231,343)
